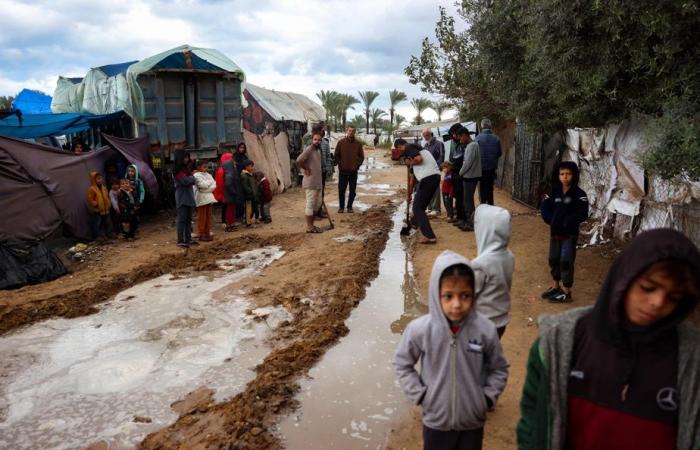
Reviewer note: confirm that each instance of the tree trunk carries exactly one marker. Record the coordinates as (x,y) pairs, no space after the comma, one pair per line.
(367,120)
(391,117)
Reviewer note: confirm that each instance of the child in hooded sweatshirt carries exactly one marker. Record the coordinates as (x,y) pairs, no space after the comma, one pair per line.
(265,196)
(495,263)
(99,203)
(624,373)
(564,209)
(250,192)
(138,191)
(127,209)
(204,198)
(114,201)
(184,197)
(463,370)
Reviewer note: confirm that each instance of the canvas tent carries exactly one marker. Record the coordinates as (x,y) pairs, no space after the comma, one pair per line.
(32,102)
(43,188)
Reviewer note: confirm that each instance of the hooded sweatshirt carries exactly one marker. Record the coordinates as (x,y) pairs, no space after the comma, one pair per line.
(593,383)
(136,183)
(219,178)
(184,195)
(459,371)
(565,211)
(205,189)
(492,228)
(98,196)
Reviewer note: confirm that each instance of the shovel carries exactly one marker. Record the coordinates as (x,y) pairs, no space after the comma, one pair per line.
(406,230)
(325,210)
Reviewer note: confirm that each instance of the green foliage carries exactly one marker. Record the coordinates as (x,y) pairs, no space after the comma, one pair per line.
(420,105)
(568,63)
(674,146)
(336,105)
(358,122)
(395,97)
(368,97)
(6,102)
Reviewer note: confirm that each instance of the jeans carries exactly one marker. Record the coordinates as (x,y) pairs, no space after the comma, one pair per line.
(424,193)
(469,188)
(562,254)
(184,224)
(344,179)
(435,202)
(486,186)
(452,440)
(101,223)
(448,201)
(265,212)
(459,197)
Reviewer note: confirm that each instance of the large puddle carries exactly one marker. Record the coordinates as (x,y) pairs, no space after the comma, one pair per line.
(351,396)
(67,383)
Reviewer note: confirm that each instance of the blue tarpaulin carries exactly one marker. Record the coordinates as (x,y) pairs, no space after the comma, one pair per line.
(32,102)
(41,125)
(115,69)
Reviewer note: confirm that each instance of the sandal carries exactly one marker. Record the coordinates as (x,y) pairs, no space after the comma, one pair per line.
(425,240)
(314,230)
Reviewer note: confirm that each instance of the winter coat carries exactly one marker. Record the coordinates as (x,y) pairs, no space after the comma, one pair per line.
(349,155)
(184,180)
(219,178)
(490,148)
(127,205)
(471,164)
(593,383)
(250,187)
(239,158)
(437,149)
(460,373)
(98,196)
(492,229)
(137,187)
(265,191)
(114,199)
(564,212)
(205,186)
(233,191)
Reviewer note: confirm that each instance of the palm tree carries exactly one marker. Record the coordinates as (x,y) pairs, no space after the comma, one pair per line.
(440,107)
(420,105)
(357,122)
(325,97)
(368,97)
(395,97)
(376,115)
(399,120)
(347,101)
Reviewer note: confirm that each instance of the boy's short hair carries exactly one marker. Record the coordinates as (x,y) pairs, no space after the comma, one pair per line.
(114,181)
(248,162)
(453,129)
(459,271)
(400,142)
(258,175)
(573,168)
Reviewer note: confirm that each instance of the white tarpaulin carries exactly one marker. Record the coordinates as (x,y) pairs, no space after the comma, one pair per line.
(287,105)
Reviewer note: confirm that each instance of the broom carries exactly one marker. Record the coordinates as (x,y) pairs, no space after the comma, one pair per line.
(406,230)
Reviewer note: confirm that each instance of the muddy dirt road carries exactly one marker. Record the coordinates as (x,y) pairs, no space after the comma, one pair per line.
(262,338)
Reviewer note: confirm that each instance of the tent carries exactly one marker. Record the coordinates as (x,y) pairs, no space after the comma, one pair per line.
(32,102)
(43,188)
(40,125)
(279,106)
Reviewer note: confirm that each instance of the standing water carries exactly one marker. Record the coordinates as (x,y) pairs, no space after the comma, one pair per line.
(352,396)
(112,376)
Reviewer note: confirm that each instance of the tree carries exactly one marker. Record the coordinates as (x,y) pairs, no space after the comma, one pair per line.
(440,107)
(399,120)
(395,97)
(420,105)
(357,122)
(377,114)
(347,101)
(6,102)
(368,97)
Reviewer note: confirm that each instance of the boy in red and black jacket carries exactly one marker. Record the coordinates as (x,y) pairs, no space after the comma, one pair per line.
(265,196)
(564,209)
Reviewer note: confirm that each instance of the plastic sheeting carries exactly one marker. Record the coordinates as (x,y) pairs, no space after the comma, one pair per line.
(287,105)
(27,262)
(137,151)
(115,87)
(271,157)
(32,102)
(40,125)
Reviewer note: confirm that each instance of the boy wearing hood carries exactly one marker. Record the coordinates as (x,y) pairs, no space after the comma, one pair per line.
(204,198)
(184,197)
(463,370)
(99,203)
(492,229)
(622,374)
(250,192)
(127,208)
(564,209)
(138,191)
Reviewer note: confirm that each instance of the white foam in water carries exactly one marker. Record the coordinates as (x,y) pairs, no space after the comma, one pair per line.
(66,383)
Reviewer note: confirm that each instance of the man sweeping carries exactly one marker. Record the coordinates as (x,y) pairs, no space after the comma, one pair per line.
(310,163)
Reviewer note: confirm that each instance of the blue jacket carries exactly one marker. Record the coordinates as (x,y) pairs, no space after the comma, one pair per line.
(565,212)
(490,146)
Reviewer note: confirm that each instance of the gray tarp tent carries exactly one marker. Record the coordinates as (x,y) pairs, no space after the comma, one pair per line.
(42,187)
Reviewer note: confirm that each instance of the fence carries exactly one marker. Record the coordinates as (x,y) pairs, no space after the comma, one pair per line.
(528,171)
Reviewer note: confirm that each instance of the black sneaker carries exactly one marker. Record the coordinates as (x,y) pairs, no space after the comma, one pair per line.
(341,210)
(549,293)
(561,297)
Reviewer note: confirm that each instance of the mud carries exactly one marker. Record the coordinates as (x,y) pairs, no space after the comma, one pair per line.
(82,301)
(320,296)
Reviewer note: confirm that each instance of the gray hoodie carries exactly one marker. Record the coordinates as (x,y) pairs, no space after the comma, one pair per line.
(492,228)
(458,372)
(471,167)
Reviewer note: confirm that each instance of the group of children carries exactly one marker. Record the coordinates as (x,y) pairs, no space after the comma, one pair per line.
(622,374)
(245,194)
(116,209)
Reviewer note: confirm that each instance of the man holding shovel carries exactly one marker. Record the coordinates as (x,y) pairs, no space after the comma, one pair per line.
(310,162)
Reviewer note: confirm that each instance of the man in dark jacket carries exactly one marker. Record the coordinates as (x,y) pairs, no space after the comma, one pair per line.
(184,197)
(349,156)
(437,149)
(490,147)
(457,158)
(564,209)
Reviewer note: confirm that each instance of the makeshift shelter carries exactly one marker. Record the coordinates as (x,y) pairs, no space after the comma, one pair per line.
(43,188)
(41,125)
(274,123)
(32,102)
(186,96)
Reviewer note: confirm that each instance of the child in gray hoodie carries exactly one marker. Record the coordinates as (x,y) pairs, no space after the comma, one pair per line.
(463,370)
(495,264)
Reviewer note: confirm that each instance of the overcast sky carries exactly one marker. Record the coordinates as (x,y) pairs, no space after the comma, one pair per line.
(299,46)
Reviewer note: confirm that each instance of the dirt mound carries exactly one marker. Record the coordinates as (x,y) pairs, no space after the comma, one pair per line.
(327,282)
(82,301)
